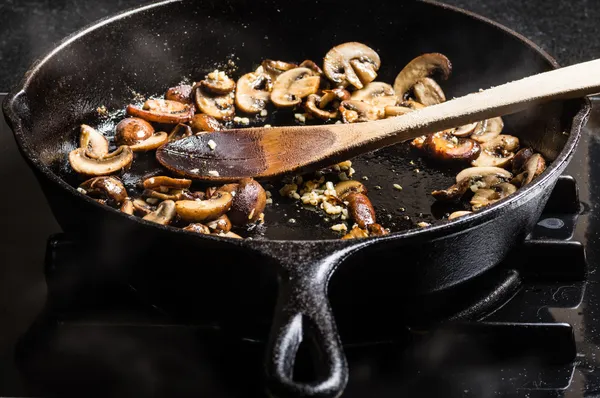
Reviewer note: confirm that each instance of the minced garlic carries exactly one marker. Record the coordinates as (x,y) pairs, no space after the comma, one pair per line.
(340,227)
(213,173)
(211,144)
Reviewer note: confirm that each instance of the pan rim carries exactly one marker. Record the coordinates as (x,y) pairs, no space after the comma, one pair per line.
(466,222)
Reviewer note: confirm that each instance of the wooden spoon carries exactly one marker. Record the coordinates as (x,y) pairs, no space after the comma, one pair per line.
(273,151)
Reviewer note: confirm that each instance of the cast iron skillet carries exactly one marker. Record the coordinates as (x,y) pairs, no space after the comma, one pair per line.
(153,47)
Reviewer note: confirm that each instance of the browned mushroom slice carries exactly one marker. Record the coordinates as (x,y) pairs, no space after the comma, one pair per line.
(487,196)
(167,182)
(127,207)
(198,228)
(345,188)
(465,131)
(356,233)
(276,68)
(164,214)
(376,230)
(419,68)
(497,152)
(360,209)
(414,105)
(217,82)
(110,189)
(392,111)
(182,93)
(109,164)
(142,207)
(312,66)
(248,203)
(133,130)
(358,111)
(458,214)
(521,159)
(488,129)
(418,142)
(205,123)
(204,210)
(220,225)
(428,92)
(180,131)
(229,235)
(162,111)
(378,94)
(534,166)
(155,141)
(253,92)
(444,146)
(478,173)
(351,63)
(454,193)
(220,107)
(337,94)
(293,85)
(312,106)
(93,142)
(474,178)
(229,188)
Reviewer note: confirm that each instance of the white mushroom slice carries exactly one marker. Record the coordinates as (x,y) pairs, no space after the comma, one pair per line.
(488,196)
(220,107)
(488,129)
(534,166)
(164,214)
(313,108)
(204,210)
(458,214)
(127,207)
(428,92)
(465,131)
(419,68)
(141,206)
(155,141)
(497,152)
(253,92)
(358,111)
(93,142)
(378,94)
(111,163)
(345,188)
(391,111)
(293,85)
(480,172)
(218,82)
(162,111)
(340,69)
(275,68)
(168,182)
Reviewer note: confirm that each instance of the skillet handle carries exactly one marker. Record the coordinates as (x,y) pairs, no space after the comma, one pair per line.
(303,313)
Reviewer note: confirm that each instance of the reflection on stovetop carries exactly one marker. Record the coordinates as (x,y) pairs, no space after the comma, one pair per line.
(494,336)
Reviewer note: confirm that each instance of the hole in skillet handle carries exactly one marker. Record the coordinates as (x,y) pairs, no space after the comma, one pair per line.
(303,315)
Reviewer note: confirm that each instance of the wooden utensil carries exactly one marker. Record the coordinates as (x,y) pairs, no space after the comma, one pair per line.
(269,152)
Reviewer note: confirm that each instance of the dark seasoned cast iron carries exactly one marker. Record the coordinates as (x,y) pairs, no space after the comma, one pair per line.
(151,48)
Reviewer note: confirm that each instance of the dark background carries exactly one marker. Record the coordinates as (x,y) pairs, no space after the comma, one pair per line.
(569,30)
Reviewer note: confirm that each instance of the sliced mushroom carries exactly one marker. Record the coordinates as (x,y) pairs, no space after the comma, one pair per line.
(162,111)
(198,228)
(344,188)
(182,93)
(376,230)
(217,82)
(360,209)
(418,69)
(312,66)
(488,129)
(293,85)
(351,63)
(204,210)
(202,122)
(477,173)
(110,189)
(220,107)
(253,92)
(414,105)
(229,235)
(497,152)
(142,207)
(458,214)
(336,94)
(465,131)
(391,111)
(127,207)
(377,94)
(428,92)
(180,131)
(133,130)
(474,178)
(248,203)
(444,146)
(521,159)
(276,68)
(487,196)
(312,106)
(164,214)
(356,233)
(358,111)
(534,166)
(93,142)
(453,193)
(220,225)
(155,141)
(109,164)
(167,182)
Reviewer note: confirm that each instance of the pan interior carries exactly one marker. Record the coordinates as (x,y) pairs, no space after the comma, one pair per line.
(149,51)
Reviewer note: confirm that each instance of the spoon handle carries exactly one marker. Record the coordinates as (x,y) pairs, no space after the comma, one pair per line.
(569,82)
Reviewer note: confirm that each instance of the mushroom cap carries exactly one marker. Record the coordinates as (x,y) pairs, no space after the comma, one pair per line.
(465,131)
(293,85)
(488,196)
(428,92)
(105,187)
(162,111)
(221,224)
(312,107)
(204,210)
(111,163)
(497,151)
(164,214)
(133,130)
(154,141)
(220,107)
(253,92)
(419,68)
(248,203)
(360,209)
(488,129)
(93,142)
(181,93)
(480,172)
(218,82)
(443,146)
(339,68)
(377,94)
(205,123)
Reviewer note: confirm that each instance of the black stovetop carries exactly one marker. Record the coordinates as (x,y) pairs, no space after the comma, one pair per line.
(97,338)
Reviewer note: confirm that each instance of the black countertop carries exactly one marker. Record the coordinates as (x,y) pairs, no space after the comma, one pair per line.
(567,29)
